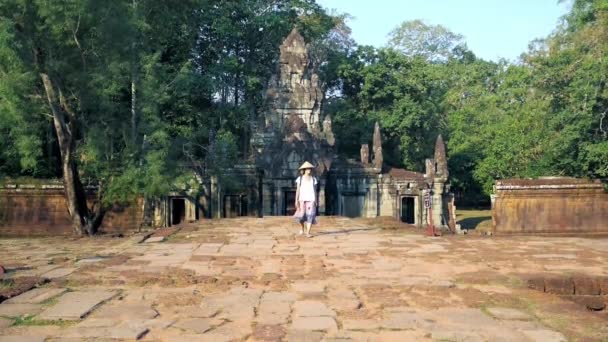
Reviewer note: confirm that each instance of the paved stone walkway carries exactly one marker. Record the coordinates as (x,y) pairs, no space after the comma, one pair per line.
(255,280)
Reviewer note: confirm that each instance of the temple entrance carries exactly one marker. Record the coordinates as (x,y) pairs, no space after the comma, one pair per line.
(353,205)
(235,205)
(289,207)
(407,210)
(178,210)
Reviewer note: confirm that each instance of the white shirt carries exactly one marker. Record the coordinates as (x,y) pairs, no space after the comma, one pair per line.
(307,189)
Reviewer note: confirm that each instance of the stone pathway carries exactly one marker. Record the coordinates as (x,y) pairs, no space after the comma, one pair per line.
(255,280)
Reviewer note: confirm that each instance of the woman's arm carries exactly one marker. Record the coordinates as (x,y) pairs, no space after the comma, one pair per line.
(297,194)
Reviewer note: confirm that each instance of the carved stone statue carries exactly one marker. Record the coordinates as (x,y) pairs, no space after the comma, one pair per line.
(377,145)
(365,154)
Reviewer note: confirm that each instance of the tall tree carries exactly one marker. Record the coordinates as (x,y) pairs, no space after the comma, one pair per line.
(432,42)
(78,57)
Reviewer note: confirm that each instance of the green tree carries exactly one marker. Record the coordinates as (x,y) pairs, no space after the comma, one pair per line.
(78,59)
(431,42)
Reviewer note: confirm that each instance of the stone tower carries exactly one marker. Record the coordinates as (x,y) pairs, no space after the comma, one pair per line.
(296,89)
(378,159)
(441,160)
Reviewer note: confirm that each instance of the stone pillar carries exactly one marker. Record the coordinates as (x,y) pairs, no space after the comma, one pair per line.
(437,204)
(215,196)
(260,194)
(268,198)
(321,197)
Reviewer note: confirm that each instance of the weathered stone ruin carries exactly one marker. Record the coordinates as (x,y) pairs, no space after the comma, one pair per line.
(40,209)
(293,132)
(551,205)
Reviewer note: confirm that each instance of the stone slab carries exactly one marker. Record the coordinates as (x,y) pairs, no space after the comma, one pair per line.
(76,305)
(59,272)
(35,296)
(360,324)
(268,333)
(314,323)
(509,314)
(197,325)
(18,310)
(544,335)
(121,310)
(155,239)
(304,336)
(279,297)
(405,321)
(5,323)
(231,331)
(311,308)
(273,312)
(308,287)
(123,331)
(14,338)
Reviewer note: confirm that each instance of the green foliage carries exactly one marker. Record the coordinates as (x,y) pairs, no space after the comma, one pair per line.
(156,88)
(431,42)
(401,93)
(544,116)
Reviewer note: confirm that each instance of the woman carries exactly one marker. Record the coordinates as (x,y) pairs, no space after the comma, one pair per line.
(306,198)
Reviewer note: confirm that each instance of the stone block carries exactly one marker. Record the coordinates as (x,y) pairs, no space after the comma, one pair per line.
(123,331)
(586,286)
(594,303)
(559,285)
(76,305)
(508,314)
(314,323)
(5,323)
(360,324)
(155,239)
(59,273)
(310,308)
(405,321)
(231,331)
(603,283)
(308,287)
(537,283)
(129,311)
(35,296)
(304,336)
(268,333)
(544,335)
(18,310)
(197,325)
(278,297)
(17,338)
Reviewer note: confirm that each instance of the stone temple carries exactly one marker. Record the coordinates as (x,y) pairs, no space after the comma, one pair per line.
(294,130)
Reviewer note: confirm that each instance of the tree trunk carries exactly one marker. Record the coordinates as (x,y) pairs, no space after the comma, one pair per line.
(83,221)
(133,111)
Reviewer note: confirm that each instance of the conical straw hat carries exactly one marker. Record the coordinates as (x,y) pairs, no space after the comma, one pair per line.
(306,165)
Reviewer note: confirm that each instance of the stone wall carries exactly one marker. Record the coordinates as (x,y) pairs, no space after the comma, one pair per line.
(550,206)
(40,209)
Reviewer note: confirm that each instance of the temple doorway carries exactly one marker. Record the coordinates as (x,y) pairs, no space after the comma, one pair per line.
(178,210)
(289,207)
(407,210)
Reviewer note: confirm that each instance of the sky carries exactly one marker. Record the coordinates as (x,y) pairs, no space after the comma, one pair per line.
(493,29)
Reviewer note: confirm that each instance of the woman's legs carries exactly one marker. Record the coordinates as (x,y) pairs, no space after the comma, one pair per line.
(310,216)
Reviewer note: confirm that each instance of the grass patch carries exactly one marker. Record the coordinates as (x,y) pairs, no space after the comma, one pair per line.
(50,301)
(474,219)
(7,284)
(32,321)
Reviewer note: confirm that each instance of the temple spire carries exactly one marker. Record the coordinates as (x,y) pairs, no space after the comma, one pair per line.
(441,160)
(378,159)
